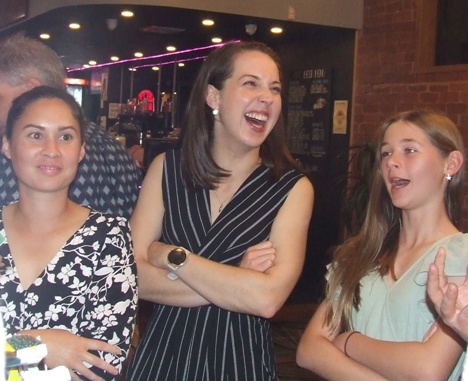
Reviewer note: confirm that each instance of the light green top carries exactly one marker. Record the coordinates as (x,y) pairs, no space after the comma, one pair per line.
(400,312)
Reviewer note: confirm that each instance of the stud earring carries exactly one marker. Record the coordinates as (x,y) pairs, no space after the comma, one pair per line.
(448,177)
(215,111)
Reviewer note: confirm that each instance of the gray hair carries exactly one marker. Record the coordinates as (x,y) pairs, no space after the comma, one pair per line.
(23,58)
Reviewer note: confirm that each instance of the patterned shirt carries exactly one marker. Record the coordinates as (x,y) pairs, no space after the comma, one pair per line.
(108,178)
(89,288)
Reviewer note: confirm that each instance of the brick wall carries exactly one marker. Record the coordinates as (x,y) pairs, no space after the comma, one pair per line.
(389,77)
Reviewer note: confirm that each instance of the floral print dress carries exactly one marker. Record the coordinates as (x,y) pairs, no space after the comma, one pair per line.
(89,288)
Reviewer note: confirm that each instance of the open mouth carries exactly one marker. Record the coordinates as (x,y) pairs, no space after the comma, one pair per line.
(399,183)
(256,119)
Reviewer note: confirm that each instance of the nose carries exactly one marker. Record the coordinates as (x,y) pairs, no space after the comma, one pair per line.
(393,161)
(51,148)
(266,95)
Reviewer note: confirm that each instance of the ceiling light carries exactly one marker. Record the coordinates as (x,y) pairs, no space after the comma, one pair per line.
(132,69)
(74,25)
(85,65)
(44,36)
(155,68)
(181,64)
(114,58)
(170,48)
(127,13)
(138,54)
(208,22)
(92,62)
(216,40)
(276,30)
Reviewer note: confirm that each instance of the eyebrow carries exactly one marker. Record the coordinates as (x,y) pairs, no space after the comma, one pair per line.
(258,78)
(42,128)
(401,141)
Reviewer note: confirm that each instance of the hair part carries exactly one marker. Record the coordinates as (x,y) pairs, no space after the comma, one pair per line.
(21,103)
(374,248)
(23,58)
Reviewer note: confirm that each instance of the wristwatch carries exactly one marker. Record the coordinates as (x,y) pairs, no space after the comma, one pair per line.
(176,259)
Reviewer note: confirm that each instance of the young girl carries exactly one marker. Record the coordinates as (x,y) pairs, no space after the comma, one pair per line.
(374,323)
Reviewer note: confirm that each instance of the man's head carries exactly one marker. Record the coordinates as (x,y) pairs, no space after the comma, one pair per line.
(24,64)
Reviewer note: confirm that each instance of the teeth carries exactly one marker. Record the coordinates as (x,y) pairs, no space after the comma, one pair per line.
(256,116)
(399,182)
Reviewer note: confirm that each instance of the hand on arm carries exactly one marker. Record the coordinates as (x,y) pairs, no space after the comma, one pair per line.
(65,348)
(227,286)
(450,300)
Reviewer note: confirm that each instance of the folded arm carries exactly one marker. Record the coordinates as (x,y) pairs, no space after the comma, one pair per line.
(244,288)
(317,353)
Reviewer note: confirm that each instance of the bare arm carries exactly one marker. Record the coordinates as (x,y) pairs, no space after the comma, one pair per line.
(227,286)
(316,352)
(146,225)
(203,281)
(433,359)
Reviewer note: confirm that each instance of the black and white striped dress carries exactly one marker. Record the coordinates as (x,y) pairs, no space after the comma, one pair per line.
(209,343)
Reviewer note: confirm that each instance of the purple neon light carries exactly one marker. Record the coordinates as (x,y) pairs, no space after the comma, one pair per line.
(171,62)
(153,57)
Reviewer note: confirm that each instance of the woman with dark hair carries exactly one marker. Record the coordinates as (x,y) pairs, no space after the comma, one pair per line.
(220,227)
(68,272)
(375,322)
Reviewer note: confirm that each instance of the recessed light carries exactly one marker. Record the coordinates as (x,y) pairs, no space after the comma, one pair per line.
(132,69)
(114,58)
(155,68)
(170,48)
(181,64)
(44,36)
(85,65)
(208,22)
(74,25)
(276,30)
(92,62)
(138,54)
(127,13)
(216,40)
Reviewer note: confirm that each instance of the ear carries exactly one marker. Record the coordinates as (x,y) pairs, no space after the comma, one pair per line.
(6,147)
(454,162)
(82,152)
(212,96)
(32,82)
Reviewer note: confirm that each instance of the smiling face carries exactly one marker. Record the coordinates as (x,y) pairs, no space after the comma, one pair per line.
(412,168)
(249,103)
(45,147)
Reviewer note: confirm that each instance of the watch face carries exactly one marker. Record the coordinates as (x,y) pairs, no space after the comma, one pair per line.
(177,257)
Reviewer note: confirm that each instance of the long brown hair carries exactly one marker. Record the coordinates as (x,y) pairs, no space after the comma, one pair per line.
(376,245)
(198,166)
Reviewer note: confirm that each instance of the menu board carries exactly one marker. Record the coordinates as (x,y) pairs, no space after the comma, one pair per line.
(308,117)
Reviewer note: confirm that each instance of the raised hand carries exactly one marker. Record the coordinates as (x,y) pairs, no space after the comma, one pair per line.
(450,300)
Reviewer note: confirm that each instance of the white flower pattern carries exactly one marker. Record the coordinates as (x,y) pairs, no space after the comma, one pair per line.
(89,288)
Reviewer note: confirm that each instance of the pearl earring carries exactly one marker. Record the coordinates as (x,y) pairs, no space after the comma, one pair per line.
(448,177)
(215,111)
